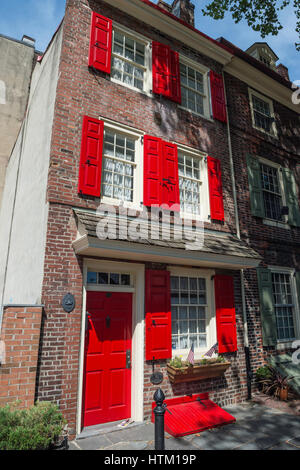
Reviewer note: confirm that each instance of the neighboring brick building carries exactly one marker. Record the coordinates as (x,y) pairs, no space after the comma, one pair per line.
(127,109)
(17,59)
(264,129)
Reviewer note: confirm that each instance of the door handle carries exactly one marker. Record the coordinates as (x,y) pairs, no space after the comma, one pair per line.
(87,323)
(128,359)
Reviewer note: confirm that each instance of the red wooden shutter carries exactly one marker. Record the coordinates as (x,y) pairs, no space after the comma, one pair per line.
(218,96)
(225,314)
(166,72)
(158,315)
(101,43)
(152,170)
(91,157)
(215,189)
(175,82)
(170,177)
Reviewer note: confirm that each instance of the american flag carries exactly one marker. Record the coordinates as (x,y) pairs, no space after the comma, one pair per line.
(213,349)
(191,356)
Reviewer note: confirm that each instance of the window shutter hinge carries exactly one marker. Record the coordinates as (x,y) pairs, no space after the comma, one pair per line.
(142,140)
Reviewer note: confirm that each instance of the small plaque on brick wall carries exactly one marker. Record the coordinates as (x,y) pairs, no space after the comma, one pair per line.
(68,303)
(156,378)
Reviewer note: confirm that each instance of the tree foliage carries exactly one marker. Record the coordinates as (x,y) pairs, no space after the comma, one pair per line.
(261,15)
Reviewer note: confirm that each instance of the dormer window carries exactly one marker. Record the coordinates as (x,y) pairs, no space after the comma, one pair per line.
(265,60)
(262,52)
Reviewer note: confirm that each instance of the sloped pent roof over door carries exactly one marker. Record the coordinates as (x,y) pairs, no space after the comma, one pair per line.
(217,250)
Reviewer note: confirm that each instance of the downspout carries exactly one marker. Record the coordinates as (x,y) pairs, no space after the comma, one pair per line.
(238,233)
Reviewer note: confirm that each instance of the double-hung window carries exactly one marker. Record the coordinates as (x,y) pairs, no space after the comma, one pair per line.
(192,324)
(121,169)
(262,111)
(130,60)
(194,88)
(193,183)
(284,303)
(271,190)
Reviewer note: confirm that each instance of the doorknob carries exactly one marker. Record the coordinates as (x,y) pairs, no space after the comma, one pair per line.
(87,323)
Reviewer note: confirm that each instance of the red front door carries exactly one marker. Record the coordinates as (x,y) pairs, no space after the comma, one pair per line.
(107,372)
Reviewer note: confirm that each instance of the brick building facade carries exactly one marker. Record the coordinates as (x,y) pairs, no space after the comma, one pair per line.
(118,129)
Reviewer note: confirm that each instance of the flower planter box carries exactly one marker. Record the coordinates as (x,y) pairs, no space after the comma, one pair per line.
(197,372)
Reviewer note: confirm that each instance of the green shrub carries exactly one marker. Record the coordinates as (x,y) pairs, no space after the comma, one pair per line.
(263,373)
(177,362)
(37,428)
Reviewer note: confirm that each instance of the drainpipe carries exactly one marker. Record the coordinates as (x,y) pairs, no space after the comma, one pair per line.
(238,233)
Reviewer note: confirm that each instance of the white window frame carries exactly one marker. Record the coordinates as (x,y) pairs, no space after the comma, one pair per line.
(272,114)
(266,220)
(139,165)
(205,72)
(211,324)
(148,59)
(204,190)
(281,344)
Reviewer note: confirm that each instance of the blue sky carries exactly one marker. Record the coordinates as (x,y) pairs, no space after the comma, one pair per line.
(40,18)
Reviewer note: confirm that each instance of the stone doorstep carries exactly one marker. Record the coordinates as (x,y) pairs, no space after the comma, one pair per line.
(107,428)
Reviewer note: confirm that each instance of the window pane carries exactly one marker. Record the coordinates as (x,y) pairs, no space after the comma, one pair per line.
(115,278)
(189,318)
(103,278)
(129,71)
(271,192)
(284,308)
(189,183)
(92,278)
(114,183)
(125,279)
(192,89)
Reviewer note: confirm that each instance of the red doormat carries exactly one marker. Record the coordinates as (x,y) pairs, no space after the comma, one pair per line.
(192,414)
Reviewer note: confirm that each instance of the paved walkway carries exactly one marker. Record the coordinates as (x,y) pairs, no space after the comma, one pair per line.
(257,428)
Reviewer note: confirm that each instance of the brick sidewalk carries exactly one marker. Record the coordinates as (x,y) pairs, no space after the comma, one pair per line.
(257,428)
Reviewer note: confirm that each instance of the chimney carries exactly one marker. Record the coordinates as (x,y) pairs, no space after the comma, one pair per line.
(185,10)
(164,5)
(283,71)
(28,40)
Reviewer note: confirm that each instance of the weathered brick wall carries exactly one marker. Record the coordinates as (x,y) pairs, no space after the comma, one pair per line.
(229,389)
(60,342)
(82,91)
(278,246)
(21,335)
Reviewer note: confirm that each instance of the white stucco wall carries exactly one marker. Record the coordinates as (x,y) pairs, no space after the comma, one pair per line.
(16,62)
(26,182)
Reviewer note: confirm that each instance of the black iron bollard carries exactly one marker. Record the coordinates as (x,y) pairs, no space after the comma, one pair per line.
(159,413)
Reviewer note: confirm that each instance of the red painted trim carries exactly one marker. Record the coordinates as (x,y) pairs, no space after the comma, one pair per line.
(101,34)
(151,4)
(215,189)
(218,96)
(158,315)
(166,72)
(90,166)
(225,313)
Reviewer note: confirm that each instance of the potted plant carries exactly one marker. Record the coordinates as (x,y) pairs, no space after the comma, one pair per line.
(273,383)
(182,371)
